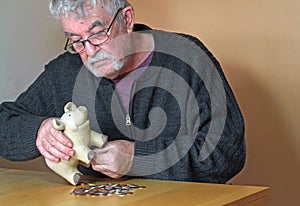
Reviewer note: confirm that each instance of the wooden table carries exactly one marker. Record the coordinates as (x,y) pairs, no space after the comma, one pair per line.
(21,187)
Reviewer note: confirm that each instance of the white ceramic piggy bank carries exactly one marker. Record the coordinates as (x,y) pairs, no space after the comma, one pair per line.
(76,126)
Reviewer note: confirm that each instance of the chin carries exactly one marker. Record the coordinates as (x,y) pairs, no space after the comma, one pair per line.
(109,72)
(110,75)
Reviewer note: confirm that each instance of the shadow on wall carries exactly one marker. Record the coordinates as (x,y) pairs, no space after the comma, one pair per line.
(272,158)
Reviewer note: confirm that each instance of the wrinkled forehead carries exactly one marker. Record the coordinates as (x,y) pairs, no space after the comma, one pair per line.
(76,24)
(87,11)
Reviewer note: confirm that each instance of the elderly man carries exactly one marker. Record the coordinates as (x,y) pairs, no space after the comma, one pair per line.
(161,98)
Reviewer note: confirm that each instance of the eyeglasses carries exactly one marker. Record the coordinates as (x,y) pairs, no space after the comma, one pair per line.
(94,39)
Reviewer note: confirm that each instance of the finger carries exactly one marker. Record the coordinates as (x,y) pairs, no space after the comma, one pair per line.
(46,154)
(50,157)
(102,157)
(51,149)
(60,137)
(50,146)
(105,170)
(60,147)
(68,152)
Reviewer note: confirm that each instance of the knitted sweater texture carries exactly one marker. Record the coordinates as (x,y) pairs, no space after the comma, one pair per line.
(172,114)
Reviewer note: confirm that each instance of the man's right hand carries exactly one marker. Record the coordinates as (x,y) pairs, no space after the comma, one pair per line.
(53,144)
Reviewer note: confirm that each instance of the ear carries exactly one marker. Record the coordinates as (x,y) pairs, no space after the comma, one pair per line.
(128,14)
(70,106)
(58,124)
(81,115)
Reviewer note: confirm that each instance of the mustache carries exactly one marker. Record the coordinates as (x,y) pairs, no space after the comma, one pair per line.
(98,57)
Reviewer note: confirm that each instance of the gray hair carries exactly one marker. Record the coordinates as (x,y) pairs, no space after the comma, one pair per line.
(59,8)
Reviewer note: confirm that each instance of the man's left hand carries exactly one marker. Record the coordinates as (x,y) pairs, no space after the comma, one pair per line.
(114,159)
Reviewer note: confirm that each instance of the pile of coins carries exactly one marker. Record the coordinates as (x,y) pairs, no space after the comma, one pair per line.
(106,189)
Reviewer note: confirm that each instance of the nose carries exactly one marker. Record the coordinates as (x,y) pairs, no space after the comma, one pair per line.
(90,49)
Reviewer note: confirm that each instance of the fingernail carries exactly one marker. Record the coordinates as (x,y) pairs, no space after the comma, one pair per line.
(71,153)
(66,158)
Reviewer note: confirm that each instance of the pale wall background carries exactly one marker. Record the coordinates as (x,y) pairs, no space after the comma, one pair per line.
(257,43)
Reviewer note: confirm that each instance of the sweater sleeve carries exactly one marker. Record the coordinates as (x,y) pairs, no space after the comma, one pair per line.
(21,119)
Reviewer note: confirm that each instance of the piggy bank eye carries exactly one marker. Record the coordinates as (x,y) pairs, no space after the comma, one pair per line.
(69,115)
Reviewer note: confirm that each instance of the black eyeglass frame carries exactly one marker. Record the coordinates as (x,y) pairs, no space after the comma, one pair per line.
(69,47)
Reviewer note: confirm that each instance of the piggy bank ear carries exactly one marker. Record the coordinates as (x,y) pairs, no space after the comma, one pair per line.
(81,115)
(70,106)
(58,124)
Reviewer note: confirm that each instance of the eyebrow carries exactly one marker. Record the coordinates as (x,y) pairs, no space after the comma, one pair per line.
(96,23)
(93,25)
(68,34)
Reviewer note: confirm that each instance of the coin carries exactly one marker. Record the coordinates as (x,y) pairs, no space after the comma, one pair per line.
(92,189)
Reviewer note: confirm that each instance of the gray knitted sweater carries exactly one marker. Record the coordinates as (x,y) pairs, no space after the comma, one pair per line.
(185,121)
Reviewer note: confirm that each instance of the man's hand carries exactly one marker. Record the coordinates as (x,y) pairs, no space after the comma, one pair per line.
(53,144)
(114,159)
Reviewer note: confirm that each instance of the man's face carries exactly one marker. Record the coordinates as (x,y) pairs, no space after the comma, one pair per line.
(107,59)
